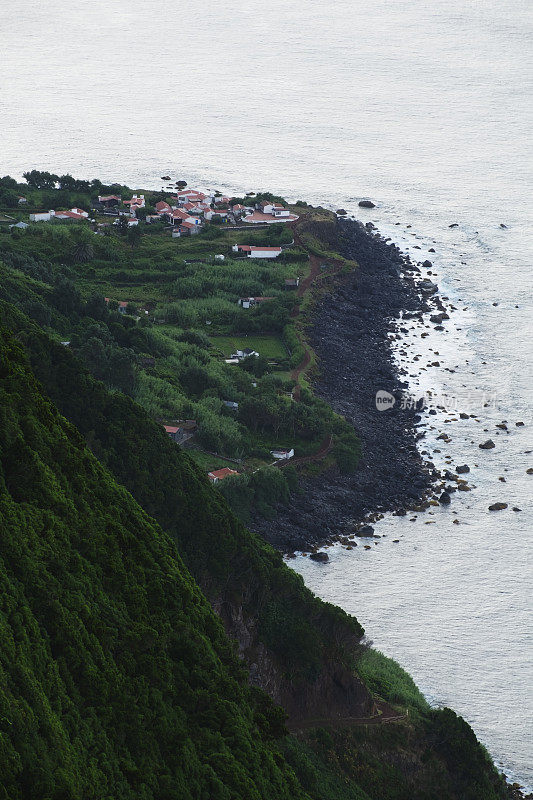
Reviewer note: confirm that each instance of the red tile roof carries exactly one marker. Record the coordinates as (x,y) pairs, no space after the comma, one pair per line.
(269,249)
(171,428)
(222,473)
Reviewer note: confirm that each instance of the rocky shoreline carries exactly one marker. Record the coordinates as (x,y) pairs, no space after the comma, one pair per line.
(352,333)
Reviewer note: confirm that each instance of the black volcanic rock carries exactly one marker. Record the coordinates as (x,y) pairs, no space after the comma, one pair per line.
(366,204)
(349,333)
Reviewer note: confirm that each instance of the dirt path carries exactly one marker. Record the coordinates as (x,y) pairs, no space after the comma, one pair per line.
(325,446)
(385,714)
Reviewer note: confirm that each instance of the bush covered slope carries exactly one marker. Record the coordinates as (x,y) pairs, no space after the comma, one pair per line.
(299,648)
(117,680)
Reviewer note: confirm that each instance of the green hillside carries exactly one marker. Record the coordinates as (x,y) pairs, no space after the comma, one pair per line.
(117,680)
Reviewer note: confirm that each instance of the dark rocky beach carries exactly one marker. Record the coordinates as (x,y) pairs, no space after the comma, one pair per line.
(352,332)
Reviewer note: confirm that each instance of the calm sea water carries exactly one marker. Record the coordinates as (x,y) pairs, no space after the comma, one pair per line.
(425,108)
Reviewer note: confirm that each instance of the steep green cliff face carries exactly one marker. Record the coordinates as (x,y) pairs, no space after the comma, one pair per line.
(299,648)
(116,677)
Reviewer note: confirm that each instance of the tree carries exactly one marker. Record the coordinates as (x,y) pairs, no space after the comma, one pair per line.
(66,297)
(122,225)
(133,236)
(41,180)
(82,251)
(8,197)
(96,307)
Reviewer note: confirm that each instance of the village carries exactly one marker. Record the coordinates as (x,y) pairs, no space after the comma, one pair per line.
(186,213)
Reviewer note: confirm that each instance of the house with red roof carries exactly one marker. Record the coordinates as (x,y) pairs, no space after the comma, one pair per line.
(109,200)
(216,212)
(176,432)
(137,201)
(219,474)
(74,213)
(162,207)
(185,228)
(190,196)
(253,251)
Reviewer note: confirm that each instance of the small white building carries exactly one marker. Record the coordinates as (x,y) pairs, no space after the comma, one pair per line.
(218,212)
(252,251)
(42,216)
(246,353)
(279,455)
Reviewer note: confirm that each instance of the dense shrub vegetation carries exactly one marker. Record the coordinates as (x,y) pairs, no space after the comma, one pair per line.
(117,678)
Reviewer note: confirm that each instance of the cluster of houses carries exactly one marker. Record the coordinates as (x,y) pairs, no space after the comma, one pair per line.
(187,211)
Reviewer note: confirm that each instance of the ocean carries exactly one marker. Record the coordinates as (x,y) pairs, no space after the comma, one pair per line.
(425,108)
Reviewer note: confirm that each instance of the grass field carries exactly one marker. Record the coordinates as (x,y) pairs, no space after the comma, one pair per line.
(269,346)
(208,462)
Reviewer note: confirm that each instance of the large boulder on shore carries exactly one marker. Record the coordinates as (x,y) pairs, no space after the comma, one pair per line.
(366,204)
(462,468)
(428,287)
(321,557)
(445,499)
(366,530)
(488,445)
(438,318)
(497,506)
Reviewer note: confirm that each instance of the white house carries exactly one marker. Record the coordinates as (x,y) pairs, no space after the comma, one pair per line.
(219,474)
(246,353)
(282,454)
(251,251)
(162,207)
(42,216)
(219,212)
(219,257)
(190,196)
(74,213)
(137,201)
(260,217)
(238,209)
